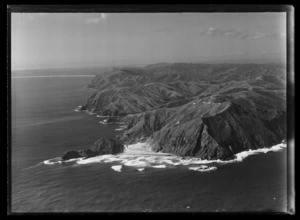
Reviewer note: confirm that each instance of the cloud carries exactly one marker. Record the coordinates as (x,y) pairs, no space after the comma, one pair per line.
(96,20)
(239,34)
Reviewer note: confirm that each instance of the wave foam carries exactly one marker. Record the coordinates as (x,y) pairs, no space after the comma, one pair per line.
(138,148)
(104,122)
(141,156)
(159,166)
(47,162)
(97,159)
(117,168)
(202,168)
(56,160)
(241,156)
(121,128)
(78,109)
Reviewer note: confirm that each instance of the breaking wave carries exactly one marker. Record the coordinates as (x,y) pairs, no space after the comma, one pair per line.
(241,156)
(78,109)
(202,168)
(140,156)
(138,148)
(117,168)
(58,160)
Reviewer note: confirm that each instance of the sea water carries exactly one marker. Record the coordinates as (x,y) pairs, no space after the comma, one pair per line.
(45,125)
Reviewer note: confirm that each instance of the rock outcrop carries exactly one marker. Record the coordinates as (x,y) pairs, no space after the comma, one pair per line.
(100,147)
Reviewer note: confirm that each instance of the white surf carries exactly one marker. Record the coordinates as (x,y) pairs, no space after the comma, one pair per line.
(117,168)
(140,156)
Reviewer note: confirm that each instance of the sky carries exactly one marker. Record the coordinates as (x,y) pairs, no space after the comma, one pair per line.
(62,40)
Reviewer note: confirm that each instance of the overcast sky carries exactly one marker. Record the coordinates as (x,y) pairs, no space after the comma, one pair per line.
(54,40)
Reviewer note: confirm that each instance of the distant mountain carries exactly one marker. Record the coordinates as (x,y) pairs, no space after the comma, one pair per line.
(212,111)
(132,90)
(166,73)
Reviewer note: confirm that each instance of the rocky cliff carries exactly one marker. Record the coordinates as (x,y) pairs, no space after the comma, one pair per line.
(217,131)
(100,147)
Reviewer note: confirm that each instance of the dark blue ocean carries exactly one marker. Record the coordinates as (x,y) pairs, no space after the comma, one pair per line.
(45,125)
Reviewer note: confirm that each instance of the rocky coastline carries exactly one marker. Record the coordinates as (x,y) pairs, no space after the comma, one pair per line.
(193,113)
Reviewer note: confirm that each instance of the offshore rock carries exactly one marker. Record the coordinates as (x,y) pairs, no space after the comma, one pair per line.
(100,147)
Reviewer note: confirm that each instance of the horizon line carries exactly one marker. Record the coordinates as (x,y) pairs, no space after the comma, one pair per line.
(144,65)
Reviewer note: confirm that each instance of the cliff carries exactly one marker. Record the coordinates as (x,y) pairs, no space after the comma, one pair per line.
(217,131)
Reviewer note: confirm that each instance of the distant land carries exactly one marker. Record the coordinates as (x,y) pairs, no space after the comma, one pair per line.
(62,71)
(97,69)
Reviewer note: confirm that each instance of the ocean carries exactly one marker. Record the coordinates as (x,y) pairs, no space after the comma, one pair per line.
(45,125)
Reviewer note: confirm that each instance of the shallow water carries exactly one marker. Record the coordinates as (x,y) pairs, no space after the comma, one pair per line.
(45,125)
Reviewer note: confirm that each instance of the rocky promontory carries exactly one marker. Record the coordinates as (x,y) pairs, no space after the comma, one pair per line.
(100,147)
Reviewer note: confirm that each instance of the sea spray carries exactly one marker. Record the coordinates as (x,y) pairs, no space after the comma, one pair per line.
(138,148)
(202,168)
(117,168)
(242,155)
(58,160)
